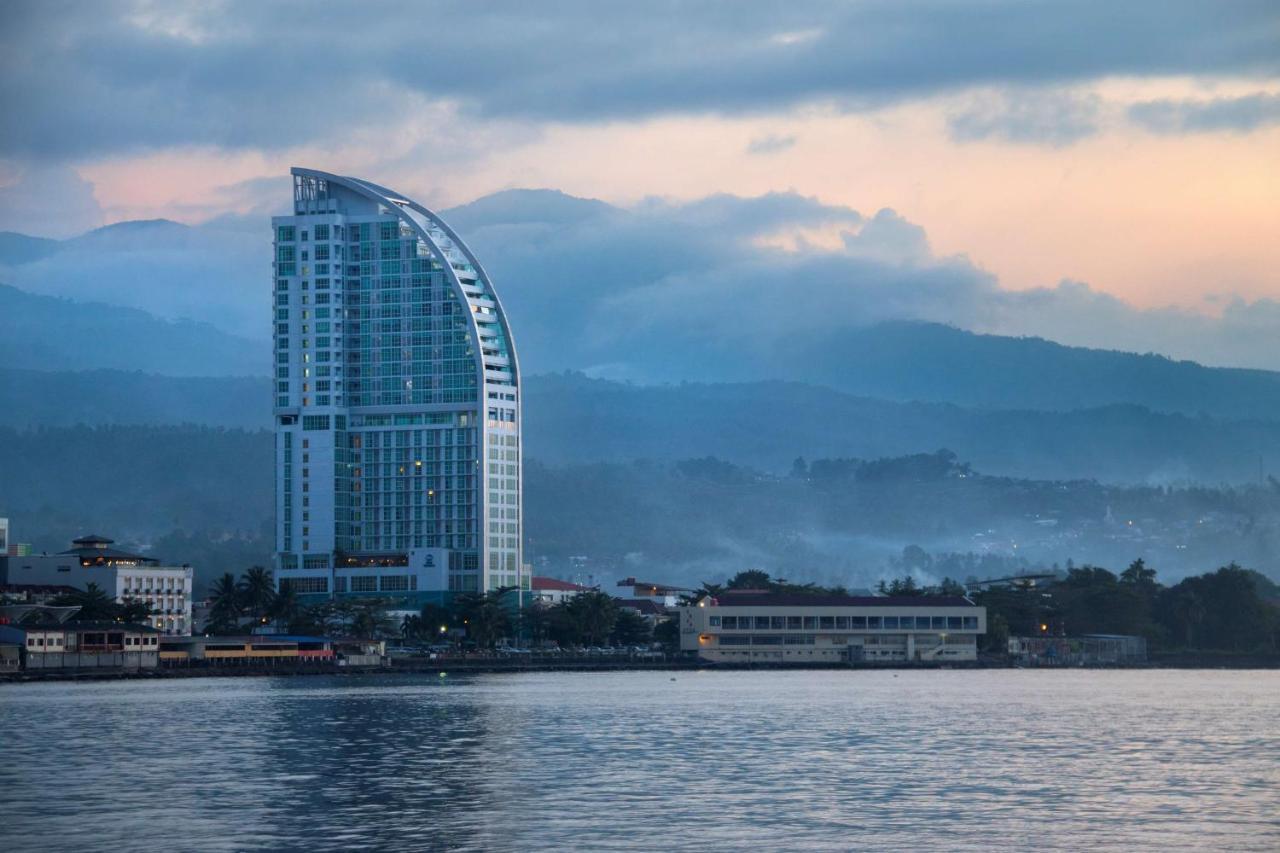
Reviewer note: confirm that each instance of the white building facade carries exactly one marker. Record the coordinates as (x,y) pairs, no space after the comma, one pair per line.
(764,627)
(397,402)
(121,575)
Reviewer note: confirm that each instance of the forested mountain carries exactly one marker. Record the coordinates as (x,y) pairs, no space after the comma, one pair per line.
(203,496)
(48,333)
(36,398)
(570,419)
(932,362)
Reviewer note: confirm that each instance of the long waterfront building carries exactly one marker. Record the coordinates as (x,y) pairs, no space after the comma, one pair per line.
(397,402)
(751,626)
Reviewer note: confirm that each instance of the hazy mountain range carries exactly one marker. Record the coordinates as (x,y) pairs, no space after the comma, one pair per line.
(94,333)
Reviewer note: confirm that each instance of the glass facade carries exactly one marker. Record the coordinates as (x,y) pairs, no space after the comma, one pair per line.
(397,400)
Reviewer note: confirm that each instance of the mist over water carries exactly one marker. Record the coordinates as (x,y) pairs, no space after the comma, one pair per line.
(998,759)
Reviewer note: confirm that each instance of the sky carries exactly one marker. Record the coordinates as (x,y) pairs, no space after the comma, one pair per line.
(1099,173)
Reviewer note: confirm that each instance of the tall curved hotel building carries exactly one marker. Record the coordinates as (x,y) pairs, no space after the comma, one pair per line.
(397,402)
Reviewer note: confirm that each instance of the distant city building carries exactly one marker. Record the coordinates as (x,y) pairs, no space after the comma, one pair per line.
(8,547)
(659,593)
(750,626)
(648,609)
(397,402)
(120,574)
(553,590)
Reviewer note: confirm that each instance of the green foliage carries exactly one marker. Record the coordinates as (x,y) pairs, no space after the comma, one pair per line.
(96,605)
(630,629)
(587,619)
(486,617)
(1221,611)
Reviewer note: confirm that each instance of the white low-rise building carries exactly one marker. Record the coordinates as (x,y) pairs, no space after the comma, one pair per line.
(748,626)
(123,576)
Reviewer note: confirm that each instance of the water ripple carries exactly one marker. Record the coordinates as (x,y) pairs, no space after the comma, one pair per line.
(992,760)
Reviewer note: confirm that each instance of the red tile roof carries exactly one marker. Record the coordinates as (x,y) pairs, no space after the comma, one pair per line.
(555,585)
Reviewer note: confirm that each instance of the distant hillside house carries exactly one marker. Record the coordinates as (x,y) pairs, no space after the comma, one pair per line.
(553,590)
(120,574)
(659,593)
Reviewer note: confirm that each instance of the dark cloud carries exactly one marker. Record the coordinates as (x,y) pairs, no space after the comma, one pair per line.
(689,291)
(1043,118)
(662,291)
(1236,115)
(80,79)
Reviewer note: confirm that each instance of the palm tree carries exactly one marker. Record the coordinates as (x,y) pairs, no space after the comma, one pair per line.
(224,615)
(285,608)
(593,615)
(257,591)
(134,611)
(411,627)
(486,616)
(95,605)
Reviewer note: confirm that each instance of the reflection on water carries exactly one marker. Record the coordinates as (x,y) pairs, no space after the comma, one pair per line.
(1009,759)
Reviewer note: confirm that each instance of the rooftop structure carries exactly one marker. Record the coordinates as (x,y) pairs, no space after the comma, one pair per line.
(397,402)
(664,594)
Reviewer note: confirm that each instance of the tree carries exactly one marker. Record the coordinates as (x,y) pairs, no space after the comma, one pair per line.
(224,613)
(751,579)
(95,605)
(630,629)
(534,623)
(667,632)
(369,619)
(436,621)
(586,619)
(134,611)
(1221,611)
(486,616)
(257,592)
(286,609)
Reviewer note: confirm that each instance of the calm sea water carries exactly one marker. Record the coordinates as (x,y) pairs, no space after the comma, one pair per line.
(743,761)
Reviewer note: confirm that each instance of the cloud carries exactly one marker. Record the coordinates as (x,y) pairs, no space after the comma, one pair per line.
(91,80)
(49,201)
(1233,115)
(770,144)
(669,291)
(663,290)
(1042,117)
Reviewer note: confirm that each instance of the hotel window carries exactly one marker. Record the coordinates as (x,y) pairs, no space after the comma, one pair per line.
(891,623)
(842,623)
(730,622)
(794,623)
(873,623)
(811,623)
(954,623)
(762,623)
(827,623)
(714,621)
(778,623)
(939,623)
